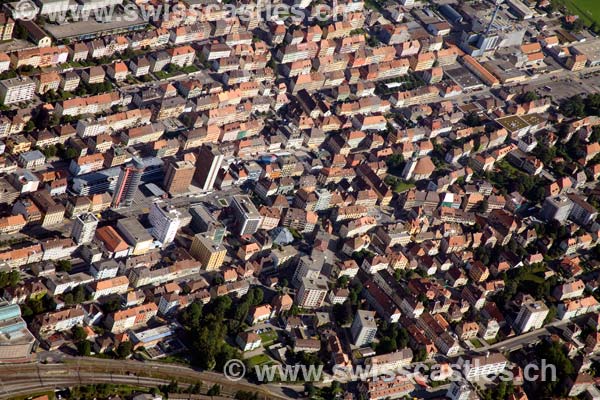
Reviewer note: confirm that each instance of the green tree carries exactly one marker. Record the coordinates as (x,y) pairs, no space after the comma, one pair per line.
(386,345)
(530,96)
(258,296)
(421,355)
(79,294)
(79,333)
(554,354)
(124,350)
(577,26)
(246,395)
(343,312)
(26,311)
(68,299)
(395,161)
(305,358)
(196,388)
(310,390)
(215,390)
(472,119)
(14,277)
(241,312)
(63,265)
(50,151)
(483,206)
(84,348)
(573,107)
(42,119)
(343,281)
(191,315)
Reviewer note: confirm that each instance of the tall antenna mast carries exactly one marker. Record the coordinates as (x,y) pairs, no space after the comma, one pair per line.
(494,15)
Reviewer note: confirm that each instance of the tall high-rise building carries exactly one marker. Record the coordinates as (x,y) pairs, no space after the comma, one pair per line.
(178,177)
(84,228)
(165,221)
(208,165)
(210,253)
(128,182)
(531,316)
(203,220)
(363,327)
(312,292)
(558,208)
(309,266)
(247,216)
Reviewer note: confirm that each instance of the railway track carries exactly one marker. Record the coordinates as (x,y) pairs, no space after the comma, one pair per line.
(24,379)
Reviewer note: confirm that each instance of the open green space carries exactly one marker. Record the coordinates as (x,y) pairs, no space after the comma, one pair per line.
(259,359)
(268,337)
(586,9)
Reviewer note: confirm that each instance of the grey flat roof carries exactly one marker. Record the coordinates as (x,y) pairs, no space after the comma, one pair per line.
(92,27)
(32,155)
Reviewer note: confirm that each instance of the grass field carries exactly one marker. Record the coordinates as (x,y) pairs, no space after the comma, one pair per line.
(268,337)
(259,359)
(589,10)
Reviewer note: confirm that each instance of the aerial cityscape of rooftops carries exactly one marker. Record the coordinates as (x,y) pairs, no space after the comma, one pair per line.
(299,199)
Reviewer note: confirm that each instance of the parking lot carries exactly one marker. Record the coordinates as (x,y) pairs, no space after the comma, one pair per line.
(569,87)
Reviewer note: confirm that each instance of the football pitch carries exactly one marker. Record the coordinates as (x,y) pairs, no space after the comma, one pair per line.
(589,10)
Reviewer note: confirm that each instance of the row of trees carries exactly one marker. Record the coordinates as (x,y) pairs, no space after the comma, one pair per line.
(554,354)
(9,279)
(209,326)
(37,305)
(508,179)
(77,296)
(393,337)
(579,107)
(500,392)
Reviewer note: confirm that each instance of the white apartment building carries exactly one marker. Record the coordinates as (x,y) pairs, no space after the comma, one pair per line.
(60,284)
(165,222)
(84,228)
(312,292)
(485,365)
(16,90)
(531,316)
(363,328)
(104,269)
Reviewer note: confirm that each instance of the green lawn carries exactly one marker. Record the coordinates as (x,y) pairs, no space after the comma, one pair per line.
(475,342)
(532,278)
(161,75)
(258,360)
(268,337)
(586,9)
(403,186)
(174,359)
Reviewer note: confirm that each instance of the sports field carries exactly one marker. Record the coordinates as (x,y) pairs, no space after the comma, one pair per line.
(589,10)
